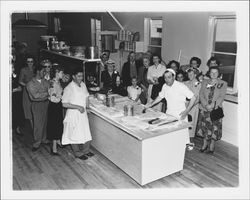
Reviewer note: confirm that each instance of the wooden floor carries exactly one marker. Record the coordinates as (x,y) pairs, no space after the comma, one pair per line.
(41,171)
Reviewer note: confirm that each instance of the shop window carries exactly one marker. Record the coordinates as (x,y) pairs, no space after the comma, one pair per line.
(153,35)
(224,47)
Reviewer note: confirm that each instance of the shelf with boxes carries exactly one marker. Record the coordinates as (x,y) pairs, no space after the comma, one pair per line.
(122,40)
(129,41)
(136,46)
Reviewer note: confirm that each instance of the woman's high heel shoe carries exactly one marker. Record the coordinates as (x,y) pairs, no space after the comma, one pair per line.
(53,153)
(210,152)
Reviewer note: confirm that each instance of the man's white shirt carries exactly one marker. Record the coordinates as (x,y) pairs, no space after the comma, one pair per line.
(176,97)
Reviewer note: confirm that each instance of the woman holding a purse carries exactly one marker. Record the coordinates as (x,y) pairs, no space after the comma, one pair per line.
(212,94)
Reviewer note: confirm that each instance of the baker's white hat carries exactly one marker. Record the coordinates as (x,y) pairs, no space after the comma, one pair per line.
(171,70)
(110,62)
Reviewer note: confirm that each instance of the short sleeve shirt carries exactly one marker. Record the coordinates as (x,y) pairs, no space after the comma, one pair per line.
(176,97)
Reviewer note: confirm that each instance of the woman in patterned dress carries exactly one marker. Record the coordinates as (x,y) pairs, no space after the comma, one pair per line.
(212,94)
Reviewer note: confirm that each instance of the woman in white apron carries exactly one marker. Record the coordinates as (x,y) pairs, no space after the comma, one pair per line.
(76,124)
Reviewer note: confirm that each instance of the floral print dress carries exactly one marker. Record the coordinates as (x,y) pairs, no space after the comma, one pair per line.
(210,94)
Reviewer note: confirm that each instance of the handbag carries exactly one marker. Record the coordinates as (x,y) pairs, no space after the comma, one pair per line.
(216,114)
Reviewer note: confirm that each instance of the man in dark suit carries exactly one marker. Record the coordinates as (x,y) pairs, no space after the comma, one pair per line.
(108,76)
(130,69)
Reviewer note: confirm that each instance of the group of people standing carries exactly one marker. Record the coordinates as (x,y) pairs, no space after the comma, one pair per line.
(185,93)
(42,97)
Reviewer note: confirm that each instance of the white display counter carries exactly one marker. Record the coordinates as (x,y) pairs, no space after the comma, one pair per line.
(145,153)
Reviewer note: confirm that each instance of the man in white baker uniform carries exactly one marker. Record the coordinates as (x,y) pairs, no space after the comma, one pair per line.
(175,94)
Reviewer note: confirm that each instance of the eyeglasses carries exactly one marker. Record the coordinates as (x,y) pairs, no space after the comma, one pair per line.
(30,61)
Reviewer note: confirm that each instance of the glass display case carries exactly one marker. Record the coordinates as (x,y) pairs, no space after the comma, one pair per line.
(69,63)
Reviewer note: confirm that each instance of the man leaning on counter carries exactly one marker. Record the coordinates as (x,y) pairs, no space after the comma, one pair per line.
(175,94)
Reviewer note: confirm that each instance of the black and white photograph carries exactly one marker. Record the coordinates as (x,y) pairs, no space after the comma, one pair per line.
(124,100)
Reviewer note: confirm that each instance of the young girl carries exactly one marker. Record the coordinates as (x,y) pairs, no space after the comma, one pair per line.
(134,90)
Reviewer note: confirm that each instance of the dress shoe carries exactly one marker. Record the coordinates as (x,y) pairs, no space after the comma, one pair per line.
(34,149)
(83,157)
(202,150)
(60,145)
(210,152)
(89,154)
(54,153)
(190,146)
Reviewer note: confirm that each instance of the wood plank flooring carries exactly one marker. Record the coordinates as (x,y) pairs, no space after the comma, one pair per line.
(41,171)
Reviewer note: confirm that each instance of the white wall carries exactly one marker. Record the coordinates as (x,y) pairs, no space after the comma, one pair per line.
(230,123)
(187,31)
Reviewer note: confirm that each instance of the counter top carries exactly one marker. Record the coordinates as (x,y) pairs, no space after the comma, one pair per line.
(73,57)
(137,126)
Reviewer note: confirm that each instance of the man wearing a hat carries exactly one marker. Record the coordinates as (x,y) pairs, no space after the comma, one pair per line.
(175,94)
(108,76)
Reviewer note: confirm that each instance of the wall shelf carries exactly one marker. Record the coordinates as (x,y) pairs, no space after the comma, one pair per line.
(73,57)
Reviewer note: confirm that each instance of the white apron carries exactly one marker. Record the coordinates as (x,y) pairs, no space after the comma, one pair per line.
(76,124)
